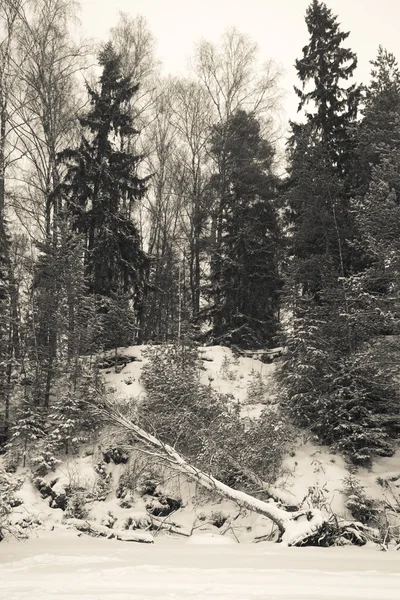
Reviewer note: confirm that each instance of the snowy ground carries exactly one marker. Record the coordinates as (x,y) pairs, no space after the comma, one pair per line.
(65,567)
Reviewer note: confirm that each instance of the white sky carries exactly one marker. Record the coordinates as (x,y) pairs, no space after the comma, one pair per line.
(276,25)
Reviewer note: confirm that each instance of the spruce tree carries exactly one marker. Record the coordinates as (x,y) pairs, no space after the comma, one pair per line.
(332,383)
(321,153)
(245,281)
(323,70)
(102,185)
(378,133)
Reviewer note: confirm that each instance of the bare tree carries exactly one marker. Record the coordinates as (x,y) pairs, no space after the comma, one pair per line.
(233,77)
(192,117)
(9,22)
(48,101)
(135,44)
(165,238)
(45,119)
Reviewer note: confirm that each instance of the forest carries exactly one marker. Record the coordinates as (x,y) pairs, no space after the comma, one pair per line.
(179,213)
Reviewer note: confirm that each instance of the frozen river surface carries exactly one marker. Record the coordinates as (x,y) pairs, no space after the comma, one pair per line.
(65,567)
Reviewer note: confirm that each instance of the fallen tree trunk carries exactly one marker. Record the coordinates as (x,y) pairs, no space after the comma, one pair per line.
(124,535)
(293,526)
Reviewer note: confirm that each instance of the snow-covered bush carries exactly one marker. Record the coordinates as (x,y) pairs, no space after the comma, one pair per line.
(109,520)
(256,389)
(45,459)
(362,508)
(102,486)
(76,504)
(8,487)
(205,425)
(139,476)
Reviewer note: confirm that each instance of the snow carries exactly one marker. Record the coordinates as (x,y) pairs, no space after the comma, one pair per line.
(215,563)
(126,384)
(311,466)
(63,566)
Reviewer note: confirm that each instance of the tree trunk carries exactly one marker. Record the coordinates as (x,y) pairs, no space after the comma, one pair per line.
(292,530)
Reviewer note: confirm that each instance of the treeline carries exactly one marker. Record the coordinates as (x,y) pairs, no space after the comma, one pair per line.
(135,208)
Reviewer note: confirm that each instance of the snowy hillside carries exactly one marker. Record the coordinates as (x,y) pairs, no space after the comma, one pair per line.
(169,503)
(128,497)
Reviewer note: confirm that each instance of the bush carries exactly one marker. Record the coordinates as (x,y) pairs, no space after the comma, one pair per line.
(76,504)
(8,487)
(206,426)
(363,509)
(256,389)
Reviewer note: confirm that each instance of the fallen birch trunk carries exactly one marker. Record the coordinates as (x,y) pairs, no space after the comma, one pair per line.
(123,535)
(292,529)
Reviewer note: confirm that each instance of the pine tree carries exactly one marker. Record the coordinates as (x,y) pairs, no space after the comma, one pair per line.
(102,185)
(65,419)
(245,279)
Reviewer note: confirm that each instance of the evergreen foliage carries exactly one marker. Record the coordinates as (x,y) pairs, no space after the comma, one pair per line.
(118,322)
(26,431)
(4,330)
(245,280)
(345,397)
(378,134)
(327,65)
(102,185)
(333,383)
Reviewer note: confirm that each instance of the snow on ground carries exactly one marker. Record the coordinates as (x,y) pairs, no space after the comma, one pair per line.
(66,567)
(225,372)
(310,466)
(126,384)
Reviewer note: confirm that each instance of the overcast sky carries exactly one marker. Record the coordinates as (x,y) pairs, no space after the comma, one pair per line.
(276,25)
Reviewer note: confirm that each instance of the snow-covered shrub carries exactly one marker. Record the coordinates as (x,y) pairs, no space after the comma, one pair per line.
(109,520)
(25,433)
(45,459)
(363,509)
(8,487)
(205,425)
(103,484)
(348,400)
(139,476)
(256,389)
(76,504)
(182,411)
(257,445)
